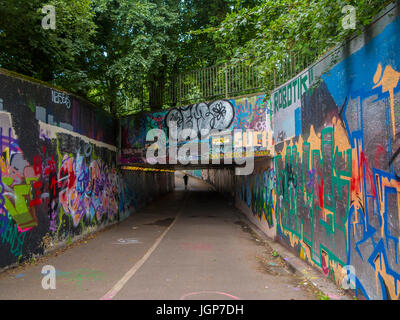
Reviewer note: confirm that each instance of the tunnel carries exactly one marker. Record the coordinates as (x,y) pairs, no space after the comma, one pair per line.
(293,193)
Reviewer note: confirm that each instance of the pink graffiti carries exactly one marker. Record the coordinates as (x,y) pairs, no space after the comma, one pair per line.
(87,190)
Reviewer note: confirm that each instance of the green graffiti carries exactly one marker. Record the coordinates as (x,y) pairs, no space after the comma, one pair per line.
(79,275)
(308,189)
(20,211)
(12,236)
(292,91)
(257,192)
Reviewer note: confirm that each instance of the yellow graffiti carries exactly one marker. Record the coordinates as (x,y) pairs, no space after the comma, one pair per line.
(341,145)
(382,185)
(390,281)
(388,81)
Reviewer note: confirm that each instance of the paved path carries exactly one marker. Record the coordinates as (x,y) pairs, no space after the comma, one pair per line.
(186,245)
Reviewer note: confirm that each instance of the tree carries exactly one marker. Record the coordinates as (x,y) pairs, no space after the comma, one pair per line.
(124,54)
(132,50)
(49,55)
(268,32)
(197,49)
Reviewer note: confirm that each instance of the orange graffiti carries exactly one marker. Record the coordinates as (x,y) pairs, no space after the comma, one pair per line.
(388,81)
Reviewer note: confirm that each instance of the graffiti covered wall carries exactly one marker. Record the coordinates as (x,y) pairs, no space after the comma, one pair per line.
(255,196)
(58,175)
(223,180)
(286,103)
(248,113)
(195,173)
(337,184)
(58,170)
(141,187)
(332,193)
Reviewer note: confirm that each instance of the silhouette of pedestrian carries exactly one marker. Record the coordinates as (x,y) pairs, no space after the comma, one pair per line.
(185,179)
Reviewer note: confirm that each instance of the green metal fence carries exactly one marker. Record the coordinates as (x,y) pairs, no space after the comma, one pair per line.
(229,80)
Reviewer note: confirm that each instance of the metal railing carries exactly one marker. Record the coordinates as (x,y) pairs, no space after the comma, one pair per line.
(229,80)
(221,81)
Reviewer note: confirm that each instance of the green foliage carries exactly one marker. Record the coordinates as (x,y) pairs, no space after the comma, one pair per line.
(45,54)
(267,33)
(123,54)
(199,49)
(133,45)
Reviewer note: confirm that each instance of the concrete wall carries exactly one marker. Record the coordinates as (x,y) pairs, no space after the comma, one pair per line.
(337,188)
(255,196)
(222,179)
(332,193)
(58,170)
(141,187)
(251,112)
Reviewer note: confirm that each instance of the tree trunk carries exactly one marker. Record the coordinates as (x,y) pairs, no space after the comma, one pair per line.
(157,85)
(156,91)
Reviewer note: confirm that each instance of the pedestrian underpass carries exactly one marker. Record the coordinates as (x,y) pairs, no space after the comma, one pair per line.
(187,245)
(86,192)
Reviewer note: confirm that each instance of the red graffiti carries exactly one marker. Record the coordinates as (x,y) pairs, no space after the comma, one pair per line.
(50,167)
(37,201)
(37,165)
(355,180)
(71,179)
(358,176)
(321,193)
(53,185)
(324,265)
(368,171)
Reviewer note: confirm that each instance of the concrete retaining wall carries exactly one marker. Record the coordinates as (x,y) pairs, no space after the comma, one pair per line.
(332,193)
(142,187)
(59,178)
(337,187)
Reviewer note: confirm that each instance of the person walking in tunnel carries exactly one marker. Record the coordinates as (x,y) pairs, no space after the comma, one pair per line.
(186,179)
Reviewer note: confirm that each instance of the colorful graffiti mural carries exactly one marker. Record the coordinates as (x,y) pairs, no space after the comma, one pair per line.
(253,113)
(77,186)
(247,113)
(257,191)
(337,188)
(58,174)
(286,104)
(87,190)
